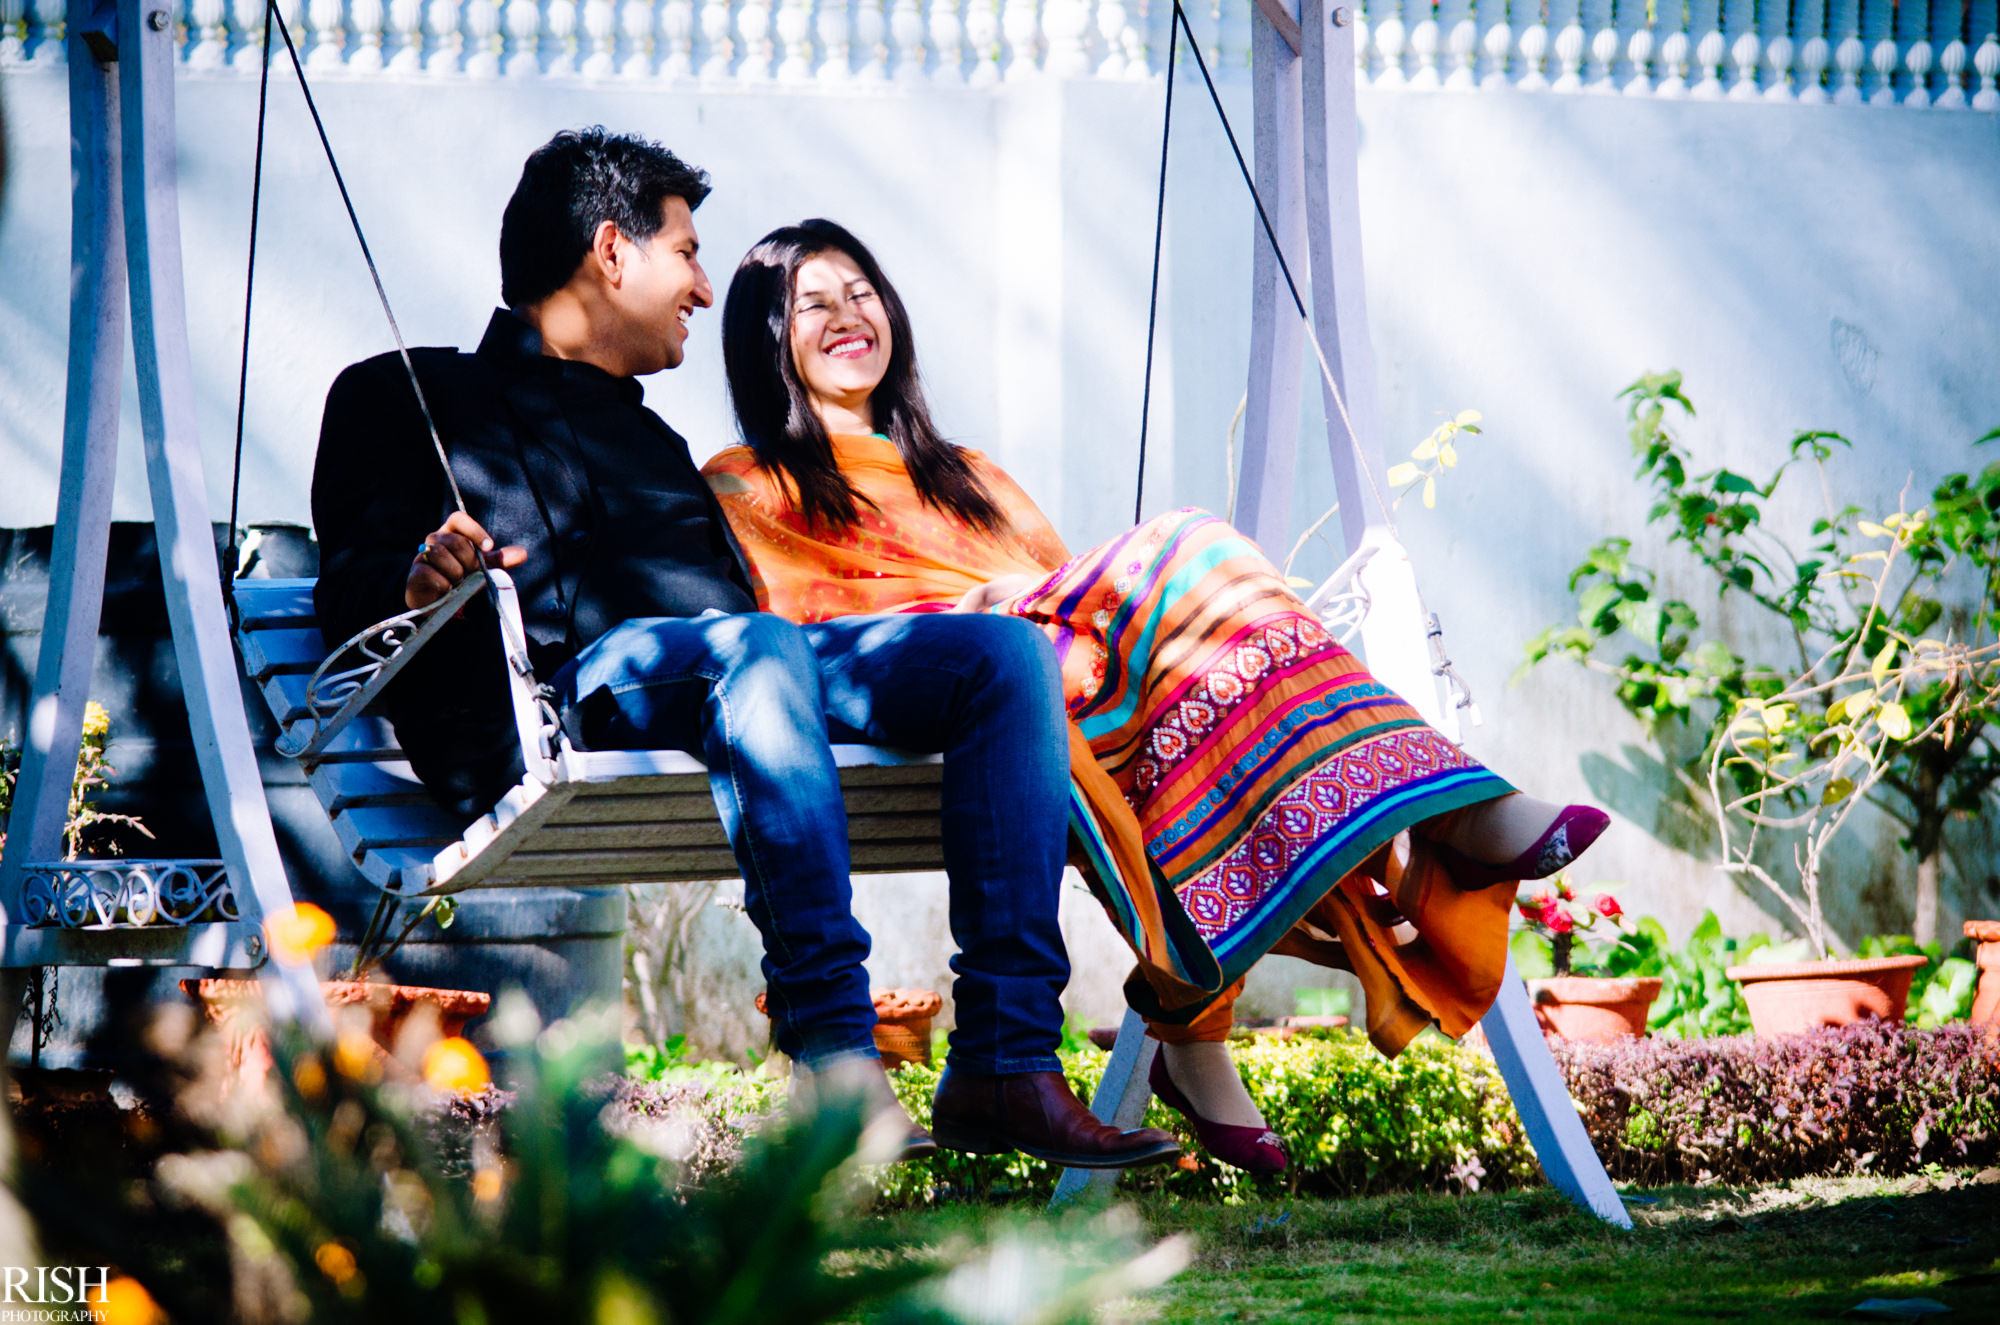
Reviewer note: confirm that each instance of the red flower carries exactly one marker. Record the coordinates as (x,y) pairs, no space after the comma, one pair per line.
(1607,906)
(1558,920)
(1531,910)
(1562,890)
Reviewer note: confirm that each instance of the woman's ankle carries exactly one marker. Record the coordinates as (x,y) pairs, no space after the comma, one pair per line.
(1204,1072)
(1497,831)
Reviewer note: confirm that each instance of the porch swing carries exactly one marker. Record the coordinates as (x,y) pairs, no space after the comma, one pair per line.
(588,817)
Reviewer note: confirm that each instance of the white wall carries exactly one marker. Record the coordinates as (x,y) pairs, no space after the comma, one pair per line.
(1806,266)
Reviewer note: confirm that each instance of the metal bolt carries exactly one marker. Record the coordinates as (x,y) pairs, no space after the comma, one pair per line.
(1340,17)
(254,945)
(158,20)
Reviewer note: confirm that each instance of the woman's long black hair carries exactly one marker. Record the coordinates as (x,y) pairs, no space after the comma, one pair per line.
(775,410)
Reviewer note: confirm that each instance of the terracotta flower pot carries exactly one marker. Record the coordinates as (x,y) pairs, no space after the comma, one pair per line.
(1788,997)
(1593,1009)
(388,1009)
(1986,1002)
(902,1024)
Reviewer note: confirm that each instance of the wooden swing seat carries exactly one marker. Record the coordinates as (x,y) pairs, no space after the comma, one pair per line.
(580,818)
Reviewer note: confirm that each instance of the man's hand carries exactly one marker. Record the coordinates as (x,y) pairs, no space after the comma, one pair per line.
(994,592)
(449,554)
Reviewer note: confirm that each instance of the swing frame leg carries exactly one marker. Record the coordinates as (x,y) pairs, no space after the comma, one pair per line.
(121,67)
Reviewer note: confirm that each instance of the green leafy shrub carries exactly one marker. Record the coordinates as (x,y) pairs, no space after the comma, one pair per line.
(1881,675)
(1436,1117)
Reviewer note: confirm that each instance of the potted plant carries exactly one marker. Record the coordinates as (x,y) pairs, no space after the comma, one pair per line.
(1886,691)
(376,1017)
(1986,1003)
(902,1024)
(1605,995)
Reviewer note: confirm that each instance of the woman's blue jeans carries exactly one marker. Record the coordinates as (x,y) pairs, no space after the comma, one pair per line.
(757,699)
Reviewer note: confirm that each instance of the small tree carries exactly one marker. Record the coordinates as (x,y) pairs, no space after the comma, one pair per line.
(1885,688)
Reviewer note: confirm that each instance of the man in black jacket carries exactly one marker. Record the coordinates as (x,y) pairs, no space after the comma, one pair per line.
(640,615)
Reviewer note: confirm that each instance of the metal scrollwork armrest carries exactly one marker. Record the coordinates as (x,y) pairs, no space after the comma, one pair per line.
(1341,602)
(356,672)
(98,894)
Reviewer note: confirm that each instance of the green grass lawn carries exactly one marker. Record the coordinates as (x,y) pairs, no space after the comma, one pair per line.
(1808,1250)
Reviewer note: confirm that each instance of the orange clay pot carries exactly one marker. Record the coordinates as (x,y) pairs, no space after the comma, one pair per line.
(902,1025)
(388,1009)
(1986,1002)
(1788,997)
(1593,1009)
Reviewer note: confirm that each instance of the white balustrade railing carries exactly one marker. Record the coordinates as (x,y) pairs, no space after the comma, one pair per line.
(1920,54)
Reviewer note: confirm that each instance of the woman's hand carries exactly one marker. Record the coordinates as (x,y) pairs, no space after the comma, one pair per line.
(991,594)
(449,554)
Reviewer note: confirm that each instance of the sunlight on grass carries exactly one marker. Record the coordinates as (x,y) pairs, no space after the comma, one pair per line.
(1806,1250)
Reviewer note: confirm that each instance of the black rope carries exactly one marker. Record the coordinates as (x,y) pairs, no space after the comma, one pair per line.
(271,12)
(249,287)
(1153,301)
(1249,180)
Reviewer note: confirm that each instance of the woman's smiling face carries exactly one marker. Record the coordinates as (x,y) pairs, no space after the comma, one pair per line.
(840,337)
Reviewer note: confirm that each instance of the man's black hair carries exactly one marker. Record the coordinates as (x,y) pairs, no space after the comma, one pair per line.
(574,183)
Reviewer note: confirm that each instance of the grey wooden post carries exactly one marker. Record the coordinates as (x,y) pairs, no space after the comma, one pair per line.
(89,460)
(1561,1143)
(188,566)
(1277,337)
(1120,1099)
(83,506)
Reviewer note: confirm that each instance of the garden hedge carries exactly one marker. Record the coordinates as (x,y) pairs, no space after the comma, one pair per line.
(1873,1098)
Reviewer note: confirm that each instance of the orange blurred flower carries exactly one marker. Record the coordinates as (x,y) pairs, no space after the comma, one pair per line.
(126,1302)
(334,1261)
(296,937)
(453,1064)
(357,1057)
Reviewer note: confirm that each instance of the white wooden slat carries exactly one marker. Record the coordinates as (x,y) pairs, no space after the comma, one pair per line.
(869,762)
(695,834)
(681,867)
(697,804)
(274,604)
(343,786)
(516,819)
(640,863)
(677,807)
(396,826)
(395,867)
(365,740)
(618,765)
(268,651)
(285,692)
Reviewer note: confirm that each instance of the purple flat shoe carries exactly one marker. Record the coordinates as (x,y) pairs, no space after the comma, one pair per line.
(1567,838)
(1252,1149)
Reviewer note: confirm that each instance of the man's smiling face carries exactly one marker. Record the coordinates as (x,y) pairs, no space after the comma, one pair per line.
(661,286)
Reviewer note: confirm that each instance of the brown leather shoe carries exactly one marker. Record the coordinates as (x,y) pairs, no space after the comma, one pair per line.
(867,1078)
(1037,1114)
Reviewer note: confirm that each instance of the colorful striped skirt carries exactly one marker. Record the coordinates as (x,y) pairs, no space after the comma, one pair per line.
(1248,787)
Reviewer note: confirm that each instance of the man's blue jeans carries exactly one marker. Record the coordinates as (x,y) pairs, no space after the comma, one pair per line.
(757,699)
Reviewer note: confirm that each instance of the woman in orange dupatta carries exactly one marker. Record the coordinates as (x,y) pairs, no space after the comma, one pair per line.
(1241,784)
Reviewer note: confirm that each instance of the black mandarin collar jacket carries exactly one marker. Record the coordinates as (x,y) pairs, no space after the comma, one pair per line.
(554,455)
